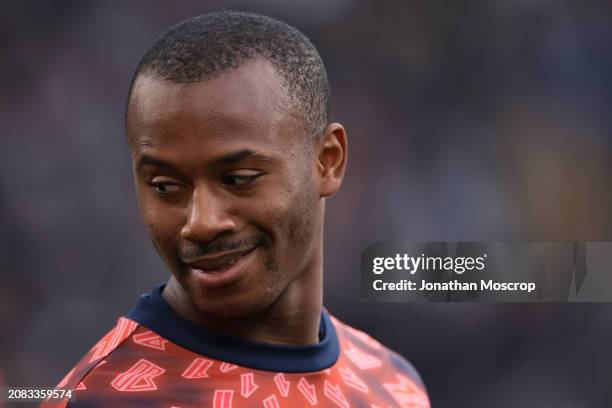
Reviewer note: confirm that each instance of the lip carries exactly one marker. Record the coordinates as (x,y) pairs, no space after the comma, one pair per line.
(219,270)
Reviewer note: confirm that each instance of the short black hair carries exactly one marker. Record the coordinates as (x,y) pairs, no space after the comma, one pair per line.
(203,47)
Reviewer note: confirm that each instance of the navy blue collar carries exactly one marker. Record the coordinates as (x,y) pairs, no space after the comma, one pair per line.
(153,312)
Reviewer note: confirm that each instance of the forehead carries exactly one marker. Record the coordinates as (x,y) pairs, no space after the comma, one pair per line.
(248,104)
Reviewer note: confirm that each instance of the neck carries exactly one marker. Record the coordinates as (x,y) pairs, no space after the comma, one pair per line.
(293,318)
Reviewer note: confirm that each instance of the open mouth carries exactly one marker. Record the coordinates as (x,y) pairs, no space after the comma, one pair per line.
(219,262)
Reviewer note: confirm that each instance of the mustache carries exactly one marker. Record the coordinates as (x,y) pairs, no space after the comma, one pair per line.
(197,250)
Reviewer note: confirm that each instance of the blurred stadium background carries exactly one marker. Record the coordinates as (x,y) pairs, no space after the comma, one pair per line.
(481,120)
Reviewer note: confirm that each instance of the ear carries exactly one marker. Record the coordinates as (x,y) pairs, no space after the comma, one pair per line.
(332,152)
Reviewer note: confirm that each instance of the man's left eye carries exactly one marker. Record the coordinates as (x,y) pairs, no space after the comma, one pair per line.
(239,180)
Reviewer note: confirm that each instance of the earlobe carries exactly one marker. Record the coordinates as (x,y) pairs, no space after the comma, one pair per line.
(332,159)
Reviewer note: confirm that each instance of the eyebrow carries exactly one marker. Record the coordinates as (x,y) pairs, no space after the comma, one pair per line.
(146,160)
(225,160)
(240,155)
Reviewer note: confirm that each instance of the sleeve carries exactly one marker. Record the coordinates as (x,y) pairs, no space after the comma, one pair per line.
(95,357)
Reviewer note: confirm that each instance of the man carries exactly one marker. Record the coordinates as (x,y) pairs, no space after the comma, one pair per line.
(233,156)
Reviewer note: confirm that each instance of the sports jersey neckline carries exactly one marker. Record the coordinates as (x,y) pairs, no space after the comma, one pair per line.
(153,312)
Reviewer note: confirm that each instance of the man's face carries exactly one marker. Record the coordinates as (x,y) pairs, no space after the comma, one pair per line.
(226,186)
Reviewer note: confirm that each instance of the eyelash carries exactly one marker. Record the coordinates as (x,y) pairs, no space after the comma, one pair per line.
(157,185)
(246,181)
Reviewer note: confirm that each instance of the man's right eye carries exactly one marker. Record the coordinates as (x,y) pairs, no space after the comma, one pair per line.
(165,188)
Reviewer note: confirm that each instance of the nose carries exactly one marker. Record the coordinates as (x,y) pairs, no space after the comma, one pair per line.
(207,217)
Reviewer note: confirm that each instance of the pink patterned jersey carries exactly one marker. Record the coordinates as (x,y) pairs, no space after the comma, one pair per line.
(155,358)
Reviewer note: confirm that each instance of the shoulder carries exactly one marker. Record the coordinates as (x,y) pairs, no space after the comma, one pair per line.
(95,358)
(365,351)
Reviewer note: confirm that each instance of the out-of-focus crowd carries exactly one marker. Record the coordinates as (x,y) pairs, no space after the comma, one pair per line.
(477,121)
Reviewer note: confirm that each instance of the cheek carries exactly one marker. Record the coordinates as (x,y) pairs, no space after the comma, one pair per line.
(163,227)
(301,222)
(298,219)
